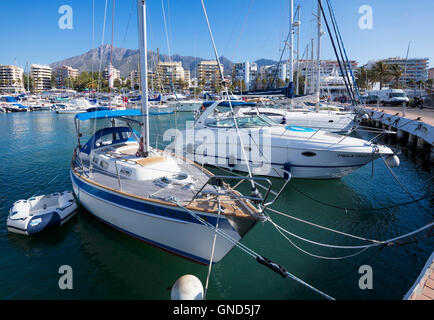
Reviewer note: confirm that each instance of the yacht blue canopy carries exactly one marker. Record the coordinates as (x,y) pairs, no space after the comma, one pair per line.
(108,114)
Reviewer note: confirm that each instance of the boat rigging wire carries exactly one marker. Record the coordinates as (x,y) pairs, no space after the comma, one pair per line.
(343,46)
(229,100)
(243,27)
(102,43)
(335,50)
(129,20)
(340,46)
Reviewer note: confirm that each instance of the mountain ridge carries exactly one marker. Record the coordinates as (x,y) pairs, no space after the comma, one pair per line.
(127,60)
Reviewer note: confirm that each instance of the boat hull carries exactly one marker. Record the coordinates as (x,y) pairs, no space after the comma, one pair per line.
(272,152)
(334,169)
(168,227)
(186,106)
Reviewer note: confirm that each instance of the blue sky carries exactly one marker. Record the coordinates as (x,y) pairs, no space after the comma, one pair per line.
(243,29)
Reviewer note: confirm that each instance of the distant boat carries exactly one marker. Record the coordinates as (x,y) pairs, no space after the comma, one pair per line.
(74,106)
(185,105)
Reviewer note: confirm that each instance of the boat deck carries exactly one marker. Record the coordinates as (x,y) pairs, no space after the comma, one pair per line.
(151,190)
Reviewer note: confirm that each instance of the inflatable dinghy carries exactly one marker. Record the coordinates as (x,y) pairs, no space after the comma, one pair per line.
(40,213)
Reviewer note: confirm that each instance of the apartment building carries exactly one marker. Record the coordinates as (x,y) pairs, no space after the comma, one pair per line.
(171,76)
(41,76)
(11,79)
(245,71)
(431,73)
(63,75)
(209,75)
(415,69)
(153,82)
(111,74)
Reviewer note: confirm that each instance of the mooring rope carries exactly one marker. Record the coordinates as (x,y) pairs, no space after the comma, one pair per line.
(212,250)
(361,209)
(321,227)
(339,207)
(45,185)
(376,244)
(399,182)
(314,255)
(260,259)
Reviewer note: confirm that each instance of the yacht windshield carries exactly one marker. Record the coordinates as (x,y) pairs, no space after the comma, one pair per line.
(244,122)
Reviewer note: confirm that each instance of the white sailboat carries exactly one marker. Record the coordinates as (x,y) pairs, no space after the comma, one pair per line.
(153,195)
(288,111)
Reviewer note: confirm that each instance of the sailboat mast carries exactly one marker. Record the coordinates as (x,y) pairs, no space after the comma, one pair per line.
(318,75)
(312,69)
(141,15)
(298,51)
(291,44)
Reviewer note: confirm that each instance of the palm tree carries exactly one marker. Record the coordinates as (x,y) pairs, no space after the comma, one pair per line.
(396,72)
(421,84)
(362,79)
(382,73)
(412,83)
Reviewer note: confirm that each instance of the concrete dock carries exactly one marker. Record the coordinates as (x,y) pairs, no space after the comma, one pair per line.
(423,288)
(413,127)
(426,115)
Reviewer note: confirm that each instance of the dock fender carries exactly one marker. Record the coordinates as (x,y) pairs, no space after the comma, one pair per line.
(393,161)
(42,222)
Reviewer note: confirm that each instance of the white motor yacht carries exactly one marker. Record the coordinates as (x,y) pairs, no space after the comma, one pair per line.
(275,149)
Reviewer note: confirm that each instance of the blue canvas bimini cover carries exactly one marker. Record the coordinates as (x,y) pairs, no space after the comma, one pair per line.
(108,114)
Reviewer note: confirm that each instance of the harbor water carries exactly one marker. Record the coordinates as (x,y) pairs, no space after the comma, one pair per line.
(35,154)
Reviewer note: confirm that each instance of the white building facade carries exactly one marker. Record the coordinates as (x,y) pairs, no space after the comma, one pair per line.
(245,71)
(41,76)
(11,79)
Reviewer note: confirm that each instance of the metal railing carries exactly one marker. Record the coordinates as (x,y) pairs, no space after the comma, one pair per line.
(256,197)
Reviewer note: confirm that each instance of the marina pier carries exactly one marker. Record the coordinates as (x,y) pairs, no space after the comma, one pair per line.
(413,128)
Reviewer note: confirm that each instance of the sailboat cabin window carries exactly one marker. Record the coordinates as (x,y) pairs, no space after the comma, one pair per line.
(103,164)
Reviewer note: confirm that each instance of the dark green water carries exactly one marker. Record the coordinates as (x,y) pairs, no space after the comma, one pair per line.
(36,147)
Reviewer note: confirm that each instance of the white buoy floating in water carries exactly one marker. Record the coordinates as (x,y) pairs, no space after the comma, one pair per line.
(188,287)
